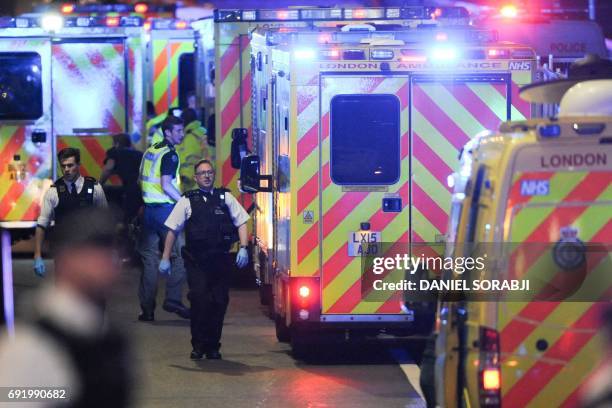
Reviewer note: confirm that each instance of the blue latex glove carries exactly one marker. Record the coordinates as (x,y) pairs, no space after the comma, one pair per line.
(242,258)
(164,266)
(39,267)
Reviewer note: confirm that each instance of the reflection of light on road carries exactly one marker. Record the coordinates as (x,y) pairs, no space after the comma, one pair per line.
(413,374)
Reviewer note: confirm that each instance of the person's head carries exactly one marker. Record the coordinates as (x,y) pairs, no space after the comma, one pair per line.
(189,115)
(173,129)
(192,101)
(204,174)
(69,160)
(122,140)
(86,254)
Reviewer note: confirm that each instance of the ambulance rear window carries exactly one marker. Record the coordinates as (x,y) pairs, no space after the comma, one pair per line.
(365,139)
(186,76)
(20,86)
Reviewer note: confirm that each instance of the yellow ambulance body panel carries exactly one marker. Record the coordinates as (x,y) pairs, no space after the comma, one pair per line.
(541,192)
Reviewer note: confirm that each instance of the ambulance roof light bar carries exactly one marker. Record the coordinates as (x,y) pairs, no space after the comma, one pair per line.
(75,8)
(169,24)
(18,22)
(104,21)
(326,13)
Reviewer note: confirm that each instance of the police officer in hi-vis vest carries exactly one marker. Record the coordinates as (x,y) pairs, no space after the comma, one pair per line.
(159,176)
(69,193)
(211,217)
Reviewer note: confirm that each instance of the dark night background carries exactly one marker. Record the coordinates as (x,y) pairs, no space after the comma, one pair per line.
(604,7)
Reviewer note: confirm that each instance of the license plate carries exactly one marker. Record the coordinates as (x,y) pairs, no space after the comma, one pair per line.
(364,243)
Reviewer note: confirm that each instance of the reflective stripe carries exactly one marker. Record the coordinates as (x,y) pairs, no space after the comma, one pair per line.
(150,179)
(156,198)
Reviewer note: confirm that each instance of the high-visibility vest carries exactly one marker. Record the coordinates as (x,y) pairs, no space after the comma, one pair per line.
(150,175)
(193,149)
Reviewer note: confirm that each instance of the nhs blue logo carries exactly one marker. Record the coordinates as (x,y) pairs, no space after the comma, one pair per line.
(535,187)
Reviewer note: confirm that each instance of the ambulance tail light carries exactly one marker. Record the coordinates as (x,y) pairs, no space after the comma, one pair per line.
(67,8)
(112,21)
(305,298)
(489,371)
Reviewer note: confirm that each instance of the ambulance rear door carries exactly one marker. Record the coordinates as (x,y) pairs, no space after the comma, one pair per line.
(446,112)
(364,170)
(25,123)
(90,96)
(171,66)
(558,221)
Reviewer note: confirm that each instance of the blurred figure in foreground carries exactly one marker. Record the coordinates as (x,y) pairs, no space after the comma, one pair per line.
(598,390)
(65,342)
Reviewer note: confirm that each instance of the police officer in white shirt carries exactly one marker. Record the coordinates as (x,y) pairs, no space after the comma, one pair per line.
(211,216)
(70,192)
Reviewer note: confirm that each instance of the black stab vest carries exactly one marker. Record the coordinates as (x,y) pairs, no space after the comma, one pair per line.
(102,364)
(67,202)
(210,226)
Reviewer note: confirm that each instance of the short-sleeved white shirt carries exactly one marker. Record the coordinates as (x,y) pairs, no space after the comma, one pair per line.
(182,211)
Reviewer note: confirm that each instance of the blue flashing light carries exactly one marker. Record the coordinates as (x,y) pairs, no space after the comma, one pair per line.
(549,131)
(444,53)
(305,53)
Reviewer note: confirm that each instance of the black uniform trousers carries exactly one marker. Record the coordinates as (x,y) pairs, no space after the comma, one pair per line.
(208,277)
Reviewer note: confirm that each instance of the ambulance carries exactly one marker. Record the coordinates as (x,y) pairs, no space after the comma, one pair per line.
(70,81)
(238,63)
(358,137)
(539,194)
(232,67)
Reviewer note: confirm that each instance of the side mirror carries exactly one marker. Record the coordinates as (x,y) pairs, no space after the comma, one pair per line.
(239,146)
(250,179)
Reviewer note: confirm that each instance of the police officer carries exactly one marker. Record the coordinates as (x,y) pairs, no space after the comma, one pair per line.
(159,174)
(64,340)
(210,217)
(70,192)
